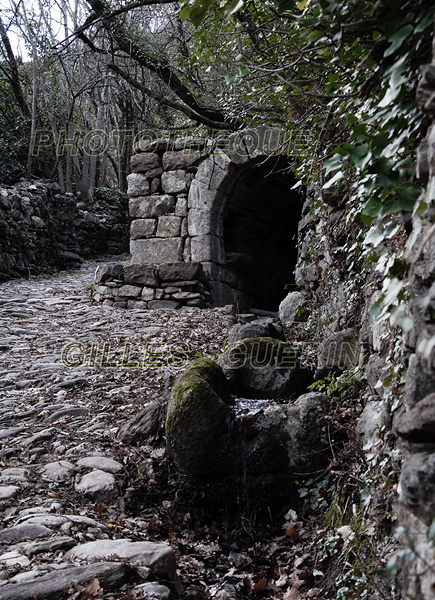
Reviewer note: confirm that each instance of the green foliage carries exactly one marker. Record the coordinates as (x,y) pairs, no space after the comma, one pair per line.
(314,491)
(342,385)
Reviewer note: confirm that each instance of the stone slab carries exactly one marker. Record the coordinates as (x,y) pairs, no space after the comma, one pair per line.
(56,585)
(158,556)
(140,275)
(156,251)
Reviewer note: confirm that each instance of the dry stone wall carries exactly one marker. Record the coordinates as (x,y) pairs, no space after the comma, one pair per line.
(41,228)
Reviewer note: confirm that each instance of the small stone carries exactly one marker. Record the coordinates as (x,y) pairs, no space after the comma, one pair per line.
(152,589)
(58,471)
(148,294)
(181,209)
(7,492)
(100,462)
(97,485)
(129,290)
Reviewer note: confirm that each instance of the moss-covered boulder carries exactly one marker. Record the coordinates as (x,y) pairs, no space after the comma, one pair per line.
(264,367)
(198,422)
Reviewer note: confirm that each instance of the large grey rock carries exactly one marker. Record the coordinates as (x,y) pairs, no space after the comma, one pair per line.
(138,185)
(174,182)
(181,159)
(374,416)
(264,368)
(168,226)
(56,585)
(98,485)
(141,163)
(418,424)
(142,425)
(197,423)
(142,228)
(289,307)
(259,328)
(141,275)
(156,555)
(417,483)
(151,206)
(156,251)
(306,453)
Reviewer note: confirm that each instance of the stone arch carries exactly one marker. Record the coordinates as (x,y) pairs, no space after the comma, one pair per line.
(243,218)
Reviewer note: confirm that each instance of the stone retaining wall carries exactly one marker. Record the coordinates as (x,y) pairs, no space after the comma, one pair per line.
(152,286)
(41,228)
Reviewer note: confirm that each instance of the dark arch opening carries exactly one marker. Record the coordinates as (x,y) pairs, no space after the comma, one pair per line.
(260,225)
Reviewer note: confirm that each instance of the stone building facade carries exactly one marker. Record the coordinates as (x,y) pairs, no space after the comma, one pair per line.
(229,208)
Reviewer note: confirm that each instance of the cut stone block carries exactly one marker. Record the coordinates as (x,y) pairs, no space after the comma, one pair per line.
(138,185)
(169,226)
(156,251)
(180,160)
(142,228)
(151,206)
(174,182)
(140,163)
(141,275)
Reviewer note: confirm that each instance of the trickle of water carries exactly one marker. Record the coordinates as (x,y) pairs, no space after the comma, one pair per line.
(250,406)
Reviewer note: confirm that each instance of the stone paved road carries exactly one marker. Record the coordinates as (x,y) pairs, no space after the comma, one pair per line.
(63,468)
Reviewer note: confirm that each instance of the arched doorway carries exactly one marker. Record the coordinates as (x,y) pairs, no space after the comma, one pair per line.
(243,222)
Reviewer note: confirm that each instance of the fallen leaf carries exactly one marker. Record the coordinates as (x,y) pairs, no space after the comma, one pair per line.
(292,594)
(282,579)
(260,585)
(292,533)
